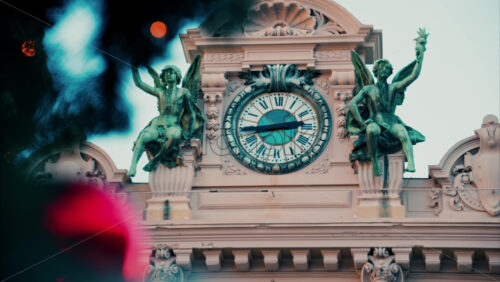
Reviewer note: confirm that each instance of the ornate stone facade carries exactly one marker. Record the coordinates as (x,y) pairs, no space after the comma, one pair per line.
(328,221)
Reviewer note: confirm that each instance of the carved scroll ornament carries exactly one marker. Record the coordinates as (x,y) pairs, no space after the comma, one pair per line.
(164,267)
(381,267)
(476,184)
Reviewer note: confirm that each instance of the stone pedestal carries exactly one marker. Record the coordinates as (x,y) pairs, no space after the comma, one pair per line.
(156,208)
(380,195)
(170,187)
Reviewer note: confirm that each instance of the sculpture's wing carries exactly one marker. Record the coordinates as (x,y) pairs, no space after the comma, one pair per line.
(192,82)
(192,112)
(361,72)
(402,74)
(405,72)
(363,78)
(192,79)
(155,76)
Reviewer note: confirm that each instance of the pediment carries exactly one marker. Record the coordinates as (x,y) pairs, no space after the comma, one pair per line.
(286,18)
(86,162)
(278,18)
(468,172)
(273,24)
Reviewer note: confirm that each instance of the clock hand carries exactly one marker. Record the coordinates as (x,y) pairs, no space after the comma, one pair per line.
(276,126)
(249,128)
(286,125)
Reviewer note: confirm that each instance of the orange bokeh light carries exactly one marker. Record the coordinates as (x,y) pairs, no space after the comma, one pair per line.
(28,48)
(158,29)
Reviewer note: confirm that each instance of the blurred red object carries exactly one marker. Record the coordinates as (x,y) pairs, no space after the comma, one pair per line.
(99,229)
(28,48)
(158,29)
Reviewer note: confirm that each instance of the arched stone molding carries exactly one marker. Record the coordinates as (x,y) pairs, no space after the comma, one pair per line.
(467,175)
(441,172)
(84,161)
(114,175)
(337,13)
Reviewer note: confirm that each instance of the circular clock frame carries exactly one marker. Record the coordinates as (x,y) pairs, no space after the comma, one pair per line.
(249,94)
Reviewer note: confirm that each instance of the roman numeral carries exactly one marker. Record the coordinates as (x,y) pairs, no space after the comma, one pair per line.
(307,126)
(262,149)
(291,151)
(278,101)
(303,113)
(251,140)
(302,140)
(291,106)
(264,105)
(276,153)
(254,115)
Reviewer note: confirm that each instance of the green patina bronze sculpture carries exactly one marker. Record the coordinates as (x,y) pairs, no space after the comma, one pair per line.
(371,113)
(180,117)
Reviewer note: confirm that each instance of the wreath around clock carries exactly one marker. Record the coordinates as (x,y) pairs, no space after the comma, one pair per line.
(273,80)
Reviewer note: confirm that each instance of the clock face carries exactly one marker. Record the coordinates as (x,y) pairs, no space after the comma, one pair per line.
(277,132)
(277,127)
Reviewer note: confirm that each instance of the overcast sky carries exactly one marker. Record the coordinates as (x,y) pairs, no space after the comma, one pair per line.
(458,86)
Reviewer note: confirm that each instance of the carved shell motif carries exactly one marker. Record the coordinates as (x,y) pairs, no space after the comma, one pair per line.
(279,19)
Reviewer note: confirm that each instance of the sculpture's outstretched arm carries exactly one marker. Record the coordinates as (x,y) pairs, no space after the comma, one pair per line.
(405,82)
(421,41)
(138,82)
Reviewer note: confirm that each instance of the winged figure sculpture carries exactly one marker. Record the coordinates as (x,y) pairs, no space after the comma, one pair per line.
(179,120)
(371,112)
